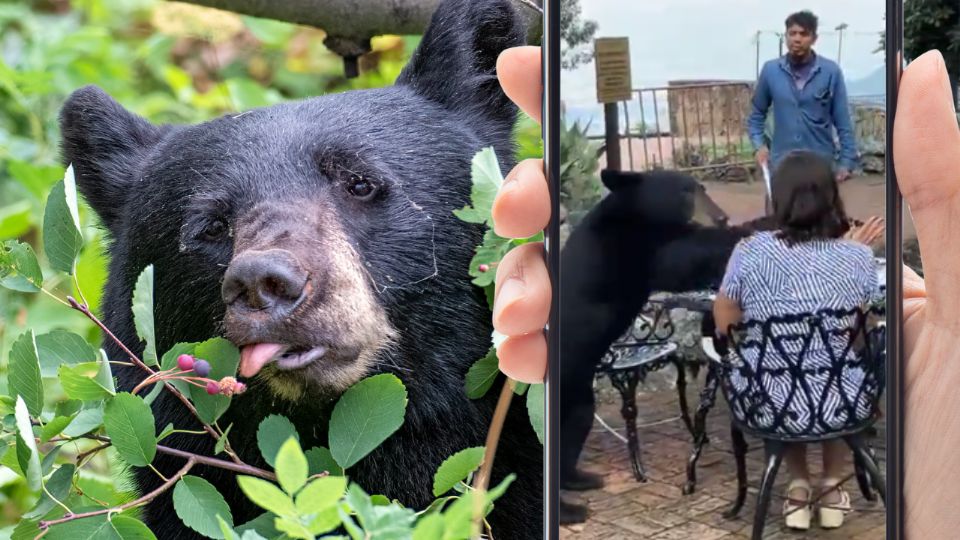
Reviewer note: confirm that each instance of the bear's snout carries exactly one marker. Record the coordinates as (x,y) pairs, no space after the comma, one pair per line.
(272,281)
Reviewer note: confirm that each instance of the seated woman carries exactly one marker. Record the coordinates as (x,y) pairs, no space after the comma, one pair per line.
(812,261)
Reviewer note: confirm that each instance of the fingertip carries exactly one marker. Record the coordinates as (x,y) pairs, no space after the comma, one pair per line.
(524,358)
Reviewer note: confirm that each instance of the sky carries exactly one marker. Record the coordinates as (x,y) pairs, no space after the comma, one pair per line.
(712,39)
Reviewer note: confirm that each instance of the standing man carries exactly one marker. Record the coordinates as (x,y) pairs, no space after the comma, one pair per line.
(809,100)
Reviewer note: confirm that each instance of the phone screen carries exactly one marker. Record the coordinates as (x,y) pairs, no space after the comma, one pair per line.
(724,192)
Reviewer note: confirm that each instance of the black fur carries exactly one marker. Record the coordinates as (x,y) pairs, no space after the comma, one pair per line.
(638,239)
(154,187)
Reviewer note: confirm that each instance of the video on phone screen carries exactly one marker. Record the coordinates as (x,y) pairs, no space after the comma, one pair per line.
(247,270)
(723,265)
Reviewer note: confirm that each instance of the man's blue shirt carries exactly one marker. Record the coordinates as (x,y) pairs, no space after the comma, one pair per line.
(803,119)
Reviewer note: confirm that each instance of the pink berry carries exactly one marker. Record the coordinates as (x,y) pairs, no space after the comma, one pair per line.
(483,267)
(213,388)
(185,362)
(201,368)
(240,388)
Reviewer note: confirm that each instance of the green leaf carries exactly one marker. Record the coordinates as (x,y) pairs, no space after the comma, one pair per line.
(535,403)
(85,421)
(456,468)
(85,381)
(54,427)
(291,466)
(61,347)
(325,521)
(61,225)
(59,486)
(129,423)
(101,528)
(15,219)
(224,358)
(19,269)
(482,375)
(143,314)
(200,505)
(36,178)
(169,361)
(262,525)
(293,528)
(430,527)
(166,431)
(487,179)
(320,494)
(364,416)
(24,373)
(267,496)
(28,457)
(222,442)
(391,522)
(520,388)
(489,253)
(274,430)
(321,460)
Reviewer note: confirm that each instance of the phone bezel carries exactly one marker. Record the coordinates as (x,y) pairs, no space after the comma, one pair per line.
(550,121)
(894,311)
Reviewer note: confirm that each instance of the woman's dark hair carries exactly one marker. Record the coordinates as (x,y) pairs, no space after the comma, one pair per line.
(803,19)
(806,200)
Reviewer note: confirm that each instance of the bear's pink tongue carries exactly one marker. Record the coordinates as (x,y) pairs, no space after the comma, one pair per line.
(254,357)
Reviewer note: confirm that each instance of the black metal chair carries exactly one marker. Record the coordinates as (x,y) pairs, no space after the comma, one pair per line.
(815,401)
(644,348)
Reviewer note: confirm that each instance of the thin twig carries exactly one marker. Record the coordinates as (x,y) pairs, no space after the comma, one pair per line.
(82,308)
(81,456)
(117,509)
(202,460)
(493,438)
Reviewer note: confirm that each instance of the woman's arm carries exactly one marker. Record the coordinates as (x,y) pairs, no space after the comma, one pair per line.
(726,312)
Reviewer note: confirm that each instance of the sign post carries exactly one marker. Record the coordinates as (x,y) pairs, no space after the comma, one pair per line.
(613,86)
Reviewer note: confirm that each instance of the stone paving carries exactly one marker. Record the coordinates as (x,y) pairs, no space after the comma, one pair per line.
(658,510)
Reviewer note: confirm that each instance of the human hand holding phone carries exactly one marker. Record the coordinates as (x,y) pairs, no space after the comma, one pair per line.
(522,208)
(926,145)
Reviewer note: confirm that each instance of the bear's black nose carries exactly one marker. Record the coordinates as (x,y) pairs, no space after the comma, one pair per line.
(264,280)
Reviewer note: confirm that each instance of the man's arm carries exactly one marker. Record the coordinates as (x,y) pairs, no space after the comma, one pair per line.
(760,104)
(840,110)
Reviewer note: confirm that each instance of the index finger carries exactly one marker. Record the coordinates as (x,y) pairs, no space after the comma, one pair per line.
(518,70)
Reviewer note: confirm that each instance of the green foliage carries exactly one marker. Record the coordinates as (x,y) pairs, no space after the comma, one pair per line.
(580,187)
(57,391)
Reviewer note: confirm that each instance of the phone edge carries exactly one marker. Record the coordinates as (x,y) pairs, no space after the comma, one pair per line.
(550,122)
(894,305)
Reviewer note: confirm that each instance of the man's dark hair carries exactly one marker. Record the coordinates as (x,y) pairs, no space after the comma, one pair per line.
(804,19)
(806,199)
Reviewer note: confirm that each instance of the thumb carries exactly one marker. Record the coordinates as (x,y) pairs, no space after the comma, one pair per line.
(926,142)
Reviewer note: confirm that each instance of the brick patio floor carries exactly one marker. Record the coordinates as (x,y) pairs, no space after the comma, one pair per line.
(658,510)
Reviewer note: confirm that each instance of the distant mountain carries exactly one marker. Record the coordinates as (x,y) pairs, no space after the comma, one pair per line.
(874,84)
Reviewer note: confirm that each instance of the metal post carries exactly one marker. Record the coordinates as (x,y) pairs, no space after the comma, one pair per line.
(612,127)
(758,53)
(840,29)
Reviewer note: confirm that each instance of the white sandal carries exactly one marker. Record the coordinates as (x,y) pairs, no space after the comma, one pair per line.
(832,514)
(798,513)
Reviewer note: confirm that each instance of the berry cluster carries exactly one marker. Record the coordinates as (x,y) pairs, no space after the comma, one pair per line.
(195,371)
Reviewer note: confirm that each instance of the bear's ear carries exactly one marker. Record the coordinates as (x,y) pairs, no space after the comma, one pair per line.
(455,64)
(616,180)
(104,142)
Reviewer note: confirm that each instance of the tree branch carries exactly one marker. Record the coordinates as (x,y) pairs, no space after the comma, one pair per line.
(83,308)
(43,525)
(350,24)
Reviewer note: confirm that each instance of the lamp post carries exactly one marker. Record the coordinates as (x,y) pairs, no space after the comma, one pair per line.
(840,29)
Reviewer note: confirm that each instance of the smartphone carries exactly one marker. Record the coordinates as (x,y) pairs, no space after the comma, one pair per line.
(895,237)
(723,249)
(550,47)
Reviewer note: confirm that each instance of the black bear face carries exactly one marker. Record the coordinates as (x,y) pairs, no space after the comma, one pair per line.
(301,231)
(659,196)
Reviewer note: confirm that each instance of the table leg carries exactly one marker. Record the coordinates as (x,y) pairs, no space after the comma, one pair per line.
(708,396)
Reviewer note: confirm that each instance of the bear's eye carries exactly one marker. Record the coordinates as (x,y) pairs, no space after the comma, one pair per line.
(360,187)
(215,230)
